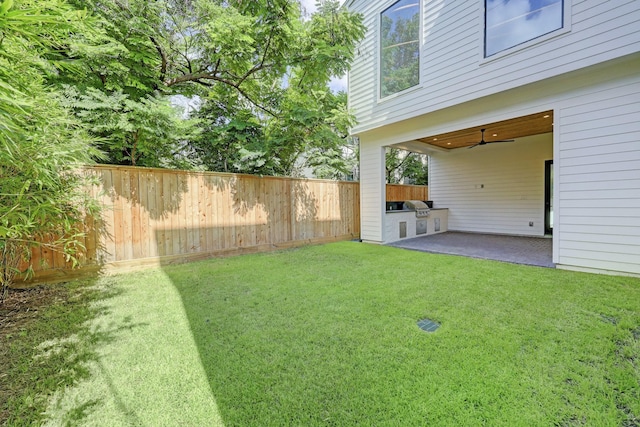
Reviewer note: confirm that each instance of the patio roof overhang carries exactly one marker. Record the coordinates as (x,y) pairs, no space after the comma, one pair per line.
(532,124)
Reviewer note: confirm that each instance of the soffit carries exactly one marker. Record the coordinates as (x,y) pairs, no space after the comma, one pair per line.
(533,124)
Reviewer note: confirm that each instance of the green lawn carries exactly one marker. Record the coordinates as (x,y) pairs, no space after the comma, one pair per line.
(327,335)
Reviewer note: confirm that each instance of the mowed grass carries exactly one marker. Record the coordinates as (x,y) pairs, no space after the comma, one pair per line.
(327,335)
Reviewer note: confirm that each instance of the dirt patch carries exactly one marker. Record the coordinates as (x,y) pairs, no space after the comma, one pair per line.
(24,305)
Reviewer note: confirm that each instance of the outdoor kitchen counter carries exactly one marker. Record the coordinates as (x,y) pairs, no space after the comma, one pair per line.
(436,222)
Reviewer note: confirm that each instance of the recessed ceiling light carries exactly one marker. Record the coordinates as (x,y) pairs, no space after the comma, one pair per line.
(495,134)
(546,116)
(448,143)
(435,139)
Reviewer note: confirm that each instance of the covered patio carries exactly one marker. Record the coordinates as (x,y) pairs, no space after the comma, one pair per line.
(496,199)
(535,251)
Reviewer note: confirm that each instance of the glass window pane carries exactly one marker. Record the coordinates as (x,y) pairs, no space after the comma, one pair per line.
(512,22)
(400,47)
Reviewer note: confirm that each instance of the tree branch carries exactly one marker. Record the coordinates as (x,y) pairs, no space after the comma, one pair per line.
(199,77)
(163,55)
(260,66)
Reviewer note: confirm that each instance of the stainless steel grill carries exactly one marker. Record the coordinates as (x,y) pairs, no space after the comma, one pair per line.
(420,207)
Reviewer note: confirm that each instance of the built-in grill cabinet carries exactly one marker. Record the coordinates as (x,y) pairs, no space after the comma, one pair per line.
(421,209)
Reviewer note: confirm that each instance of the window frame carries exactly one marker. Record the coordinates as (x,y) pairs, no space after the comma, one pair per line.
(566,28)
(387,5)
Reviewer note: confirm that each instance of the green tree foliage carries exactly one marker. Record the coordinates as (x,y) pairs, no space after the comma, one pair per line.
(261,69)
(147,132)
(404,167)
(41,144)
(298,122)
(120,98)
(230,133)
(311,130)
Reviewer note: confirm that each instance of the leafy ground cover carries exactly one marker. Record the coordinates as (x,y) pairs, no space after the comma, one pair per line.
(327,335)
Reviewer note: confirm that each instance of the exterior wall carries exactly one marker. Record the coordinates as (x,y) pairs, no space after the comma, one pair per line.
(453,70)
(598,178)
(372,193)
(596,153)
(496,188)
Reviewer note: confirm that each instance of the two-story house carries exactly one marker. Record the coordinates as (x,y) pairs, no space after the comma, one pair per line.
(561,78)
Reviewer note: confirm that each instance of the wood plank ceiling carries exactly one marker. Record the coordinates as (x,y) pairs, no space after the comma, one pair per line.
(533,124)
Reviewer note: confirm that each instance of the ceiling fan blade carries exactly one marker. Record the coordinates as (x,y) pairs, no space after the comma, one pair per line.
(483,142)
(500,140)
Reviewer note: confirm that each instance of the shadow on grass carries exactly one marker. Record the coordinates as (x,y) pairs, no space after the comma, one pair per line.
(306,338)
(285,340)
(51,350)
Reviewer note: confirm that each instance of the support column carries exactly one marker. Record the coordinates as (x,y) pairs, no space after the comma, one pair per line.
(372,191)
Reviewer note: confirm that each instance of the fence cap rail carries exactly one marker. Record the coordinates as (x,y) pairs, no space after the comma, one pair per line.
(208,173)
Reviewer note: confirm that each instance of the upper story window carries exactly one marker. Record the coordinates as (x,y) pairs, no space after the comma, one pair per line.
(399,47)
(511,22)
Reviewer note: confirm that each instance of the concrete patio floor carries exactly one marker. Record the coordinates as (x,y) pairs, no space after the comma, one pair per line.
(514,249)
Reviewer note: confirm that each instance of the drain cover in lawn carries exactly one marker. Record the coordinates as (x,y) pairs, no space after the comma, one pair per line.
(428,325)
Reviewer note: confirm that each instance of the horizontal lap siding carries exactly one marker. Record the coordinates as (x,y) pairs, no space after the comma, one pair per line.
(454,72)
(599,179)
(372,189)
(512,176)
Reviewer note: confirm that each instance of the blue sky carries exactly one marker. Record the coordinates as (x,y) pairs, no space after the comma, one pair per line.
(516,21)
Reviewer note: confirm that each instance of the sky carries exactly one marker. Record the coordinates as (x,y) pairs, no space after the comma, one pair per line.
(517,21)
(336,84)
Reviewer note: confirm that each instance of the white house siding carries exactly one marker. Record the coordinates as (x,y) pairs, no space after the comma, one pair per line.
(453,70)
(496,188)
(372,191)
(596,153)
(598,177)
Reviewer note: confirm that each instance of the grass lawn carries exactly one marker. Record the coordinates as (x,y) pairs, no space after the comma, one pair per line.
(327,335)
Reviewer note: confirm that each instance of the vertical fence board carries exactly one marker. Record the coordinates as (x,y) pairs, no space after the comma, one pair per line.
(217,222)
(118,222)
(203,215)
(159,215)
(145,202)
(36,260)
(136,219)
(107,199)
(263,192)
(188,214)
(151,215)
(127,214)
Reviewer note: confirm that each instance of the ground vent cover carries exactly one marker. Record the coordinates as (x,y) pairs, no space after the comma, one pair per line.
(428,325)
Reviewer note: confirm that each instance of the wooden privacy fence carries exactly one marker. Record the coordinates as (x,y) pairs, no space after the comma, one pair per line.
(160,216)
(155,216)
(400,193)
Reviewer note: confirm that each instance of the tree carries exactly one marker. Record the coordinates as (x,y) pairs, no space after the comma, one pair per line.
(404,167)
(257,63)
(41,145)
(147,132)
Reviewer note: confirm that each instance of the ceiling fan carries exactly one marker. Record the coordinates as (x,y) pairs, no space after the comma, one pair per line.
(483,142)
